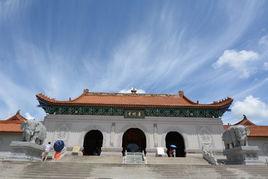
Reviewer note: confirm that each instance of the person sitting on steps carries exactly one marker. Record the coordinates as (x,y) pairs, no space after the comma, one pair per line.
(48,148)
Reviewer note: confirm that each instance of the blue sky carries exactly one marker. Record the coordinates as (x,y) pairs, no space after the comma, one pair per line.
(209,49)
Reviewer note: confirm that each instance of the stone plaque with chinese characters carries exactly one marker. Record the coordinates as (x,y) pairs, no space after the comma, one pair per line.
(134,114)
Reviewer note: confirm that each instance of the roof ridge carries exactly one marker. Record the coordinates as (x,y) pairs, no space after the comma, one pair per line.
(143,100)
(131,94)
(181,94)
(86,92)
(245,121)
(45,96)
(222,100)
(16,118)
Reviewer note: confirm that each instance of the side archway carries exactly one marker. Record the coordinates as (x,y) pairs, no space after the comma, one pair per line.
(134,140)
(174,140)
(93,141)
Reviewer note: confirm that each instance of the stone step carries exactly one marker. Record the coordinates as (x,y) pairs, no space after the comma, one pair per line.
(191,159)
(92,159)
(89,170)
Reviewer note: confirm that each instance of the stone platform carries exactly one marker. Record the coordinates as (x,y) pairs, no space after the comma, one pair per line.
(191,159)
(247,155)
(25,151)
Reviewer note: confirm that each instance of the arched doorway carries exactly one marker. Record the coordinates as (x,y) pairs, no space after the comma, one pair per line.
(134,140)
(93,143)
(174,138)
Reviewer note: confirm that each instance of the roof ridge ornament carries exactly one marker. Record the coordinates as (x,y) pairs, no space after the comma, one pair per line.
(18,112)
(181,93)
(133,90)
(86,90)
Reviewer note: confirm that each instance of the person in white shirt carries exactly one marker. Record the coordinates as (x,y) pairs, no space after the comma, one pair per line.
(48,148)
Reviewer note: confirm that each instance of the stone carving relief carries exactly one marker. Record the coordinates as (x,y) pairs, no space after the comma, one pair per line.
(62,132)
(205,137)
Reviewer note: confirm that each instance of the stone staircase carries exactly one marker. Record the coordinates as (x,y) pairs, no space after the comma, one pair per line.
(190,159)
(192,166)
(134,158)
(65,170)
(113,159)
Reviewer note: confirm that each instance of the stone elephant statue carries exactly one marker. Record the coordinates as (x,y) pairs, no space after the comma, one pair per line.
(235,136)
(28,129)
(34,131)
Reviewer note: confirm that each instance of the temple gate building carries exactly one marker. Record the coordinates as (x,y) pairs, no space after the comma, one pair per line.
(115,122)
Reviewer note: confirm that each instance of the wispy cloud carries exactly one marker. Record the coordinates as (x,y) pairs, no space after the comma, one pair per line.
(10,9)
(163,50)
(253,87)
(14,97)
(264,40)
(263,46)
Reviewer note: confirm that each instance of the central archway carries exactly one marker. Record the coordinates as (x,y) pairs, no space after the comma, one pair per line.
(134,140)
(174,138)
(93,142)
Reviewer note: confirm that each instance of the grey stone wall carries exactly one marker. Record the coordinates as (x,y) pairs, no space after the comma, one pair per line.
(261,142)
(6,139)
(195,131)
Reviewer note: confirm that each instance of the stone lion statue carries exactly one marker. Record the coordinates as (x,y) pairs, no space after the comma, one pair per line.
(235,136)
(33,131)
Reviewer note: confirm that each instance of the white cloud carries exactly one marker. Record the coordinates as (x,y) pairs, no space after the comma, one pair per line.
(129,90)
(255,109)
(237,60)
(264,40)
(29,116)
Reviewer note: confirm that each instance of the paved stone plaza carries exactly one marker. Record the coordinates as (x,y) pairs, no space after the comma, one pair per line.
(90,170)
